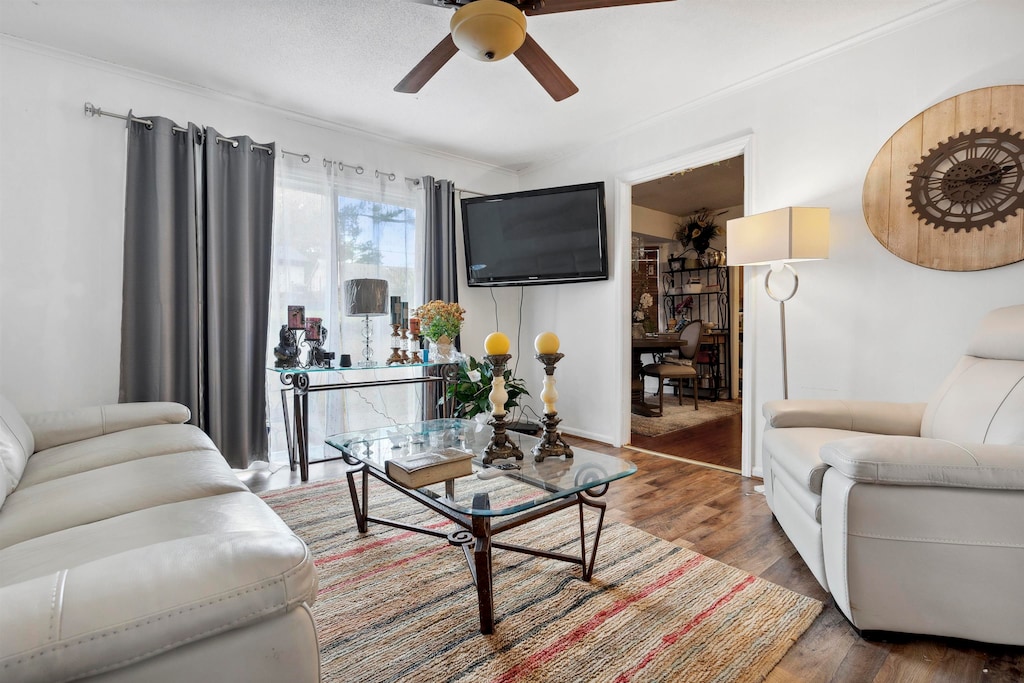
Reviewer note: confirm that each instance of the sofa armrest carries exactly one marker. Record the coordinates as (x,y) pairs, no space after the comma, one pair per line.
(912,461)
(66,426)
(118,610)
(875,417)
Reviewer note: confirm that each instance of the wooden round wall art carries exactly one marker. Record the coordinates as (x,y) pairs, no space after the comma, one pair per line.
(946,191)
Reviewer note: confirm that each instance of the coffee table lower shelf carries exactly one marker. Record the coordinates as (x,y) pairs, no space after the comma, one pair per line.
(476,532)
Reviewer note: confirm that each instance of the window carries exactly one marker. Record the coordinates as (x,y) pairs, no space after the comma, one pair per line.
(333,225)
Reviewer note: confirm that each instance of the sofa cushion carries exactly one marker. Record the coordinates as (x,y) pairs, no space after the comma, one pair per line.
(981,401)
(225,513)
(111,449)
(797,451)
(66,426)
(114,490)
(16,444)
(96,617)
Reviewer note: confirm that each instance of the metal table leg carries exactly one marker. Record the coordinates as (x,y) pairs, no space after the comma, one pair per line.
(482,564)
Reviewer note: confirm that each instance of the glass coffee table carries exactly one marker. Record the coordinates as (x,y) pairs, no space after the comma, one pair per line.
(482,508)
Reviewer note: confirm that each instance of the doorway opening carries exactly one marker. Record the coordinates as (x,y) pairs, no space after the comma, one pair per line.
(687,310)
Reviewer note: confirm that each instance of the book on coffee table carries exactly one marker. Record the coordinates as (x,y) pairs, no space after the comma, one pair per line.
(422,469)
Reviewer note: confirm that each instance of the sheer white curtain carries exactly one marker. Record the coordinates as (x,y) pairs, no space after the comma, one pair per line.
(333,224)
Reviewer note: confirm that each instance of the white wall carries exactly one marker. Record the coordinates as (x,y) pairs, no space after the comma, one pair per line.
(864,324)
(62,207)
(655,223)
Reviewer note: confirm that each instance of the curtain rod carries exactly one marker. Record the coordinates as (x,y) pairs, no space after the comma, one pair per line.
(92,110)
(377,173)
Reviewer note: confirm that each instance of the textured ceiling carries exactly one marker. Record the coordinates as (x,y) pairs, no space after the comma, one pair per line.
(715,186)
(338,60)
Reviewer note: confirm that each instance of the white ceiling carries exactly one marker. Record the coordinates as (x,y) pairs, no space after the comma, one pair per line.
(338,60)
(714,186)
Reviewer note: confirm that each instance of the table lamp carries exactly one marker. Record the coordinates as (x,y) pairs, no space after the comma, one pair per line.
(778,238)
(366,297)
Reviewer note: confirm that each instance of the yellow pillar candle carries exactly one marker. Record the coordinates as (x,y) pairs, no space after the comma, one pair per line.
(496,344)
(546,343)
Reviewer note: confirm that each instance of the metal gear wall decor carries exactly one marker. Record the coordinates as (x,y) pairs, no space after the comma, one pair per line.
(946,191)
(971,181)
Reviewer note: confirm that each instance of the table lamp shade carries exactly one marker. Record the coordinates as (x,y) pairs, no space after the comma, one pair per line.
(789,234)
(366,296)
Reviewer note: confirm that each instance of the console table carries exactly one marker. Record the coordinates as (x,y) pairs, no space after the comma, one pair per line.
(481,508)
(297,381)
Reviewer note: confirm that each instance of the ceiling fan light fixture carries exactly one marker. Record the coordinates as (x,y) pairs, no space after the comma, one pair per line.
(488,30)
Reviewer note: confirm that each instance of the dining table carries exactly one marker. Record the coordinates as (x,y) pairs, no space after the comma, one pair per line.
(657,344)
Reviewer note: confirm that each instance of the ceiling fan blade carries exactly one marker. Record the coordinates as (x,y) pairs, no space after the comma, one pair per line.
(544,69)
(428,66)
(531,7)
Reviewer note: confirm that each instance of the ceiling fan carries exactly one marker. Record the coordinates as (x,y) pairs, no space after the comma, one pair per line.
(490,30)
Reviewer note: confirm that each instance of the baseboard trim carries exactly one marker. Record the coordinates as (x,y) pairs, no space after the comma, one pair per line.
(722,468)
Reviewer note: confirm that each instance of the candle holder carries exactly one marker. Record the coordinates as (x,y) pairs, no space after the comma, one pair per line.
(414,349)
(315,336)
(403,350)
(499,446)
(551,445)
(396,343)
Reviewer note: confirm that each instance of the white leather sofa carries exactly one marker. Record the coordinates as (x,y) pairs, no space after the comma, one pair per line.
(129,551)
(912,515)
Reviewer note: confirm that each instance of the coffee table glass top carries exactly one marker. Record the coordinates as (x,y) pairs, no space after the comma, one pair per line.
(550,480)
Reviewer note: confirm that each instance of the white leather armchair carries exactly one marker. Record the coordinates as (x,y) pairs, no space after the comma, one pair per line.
(912,515)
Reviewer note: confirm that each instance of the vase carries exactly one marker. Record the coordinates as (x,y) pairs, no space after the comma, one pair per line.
(638,330)
(442,350)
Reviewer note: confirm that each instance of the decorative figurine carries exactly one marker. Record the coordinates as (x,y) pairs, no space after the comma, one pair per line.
(287,350)
(551,444)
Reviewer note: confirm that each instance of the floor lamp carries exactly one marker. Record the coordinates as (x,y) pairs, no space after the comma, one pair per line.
(366,297)
(778,238)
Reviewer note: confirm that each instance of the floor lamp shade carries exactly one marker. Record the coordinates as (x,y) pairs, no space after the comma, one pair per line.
(789,234)
(366,296)
(778,237)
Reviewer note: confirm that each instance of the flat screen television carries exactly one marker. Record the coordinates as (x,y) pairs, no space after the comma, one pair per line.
(557,234)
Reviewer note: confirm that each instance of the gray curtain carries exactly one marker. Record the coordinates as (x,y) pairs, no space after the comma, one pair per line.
(198,217)
(440,280)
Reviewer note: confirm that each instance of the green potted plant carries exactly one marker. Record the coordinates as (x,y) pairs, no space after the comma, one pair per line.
(473,388)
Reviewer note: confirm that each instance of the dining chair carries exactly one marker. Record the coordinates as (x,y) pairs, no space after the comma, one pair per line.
(678,367)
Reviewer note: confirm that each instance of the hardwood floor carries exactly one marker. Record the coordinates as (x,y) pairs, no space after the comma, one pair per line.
(719,514)
(716,443)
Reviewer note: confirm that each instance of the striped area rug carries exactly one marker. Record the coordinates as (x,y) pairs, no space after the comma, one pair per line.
(400,606)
